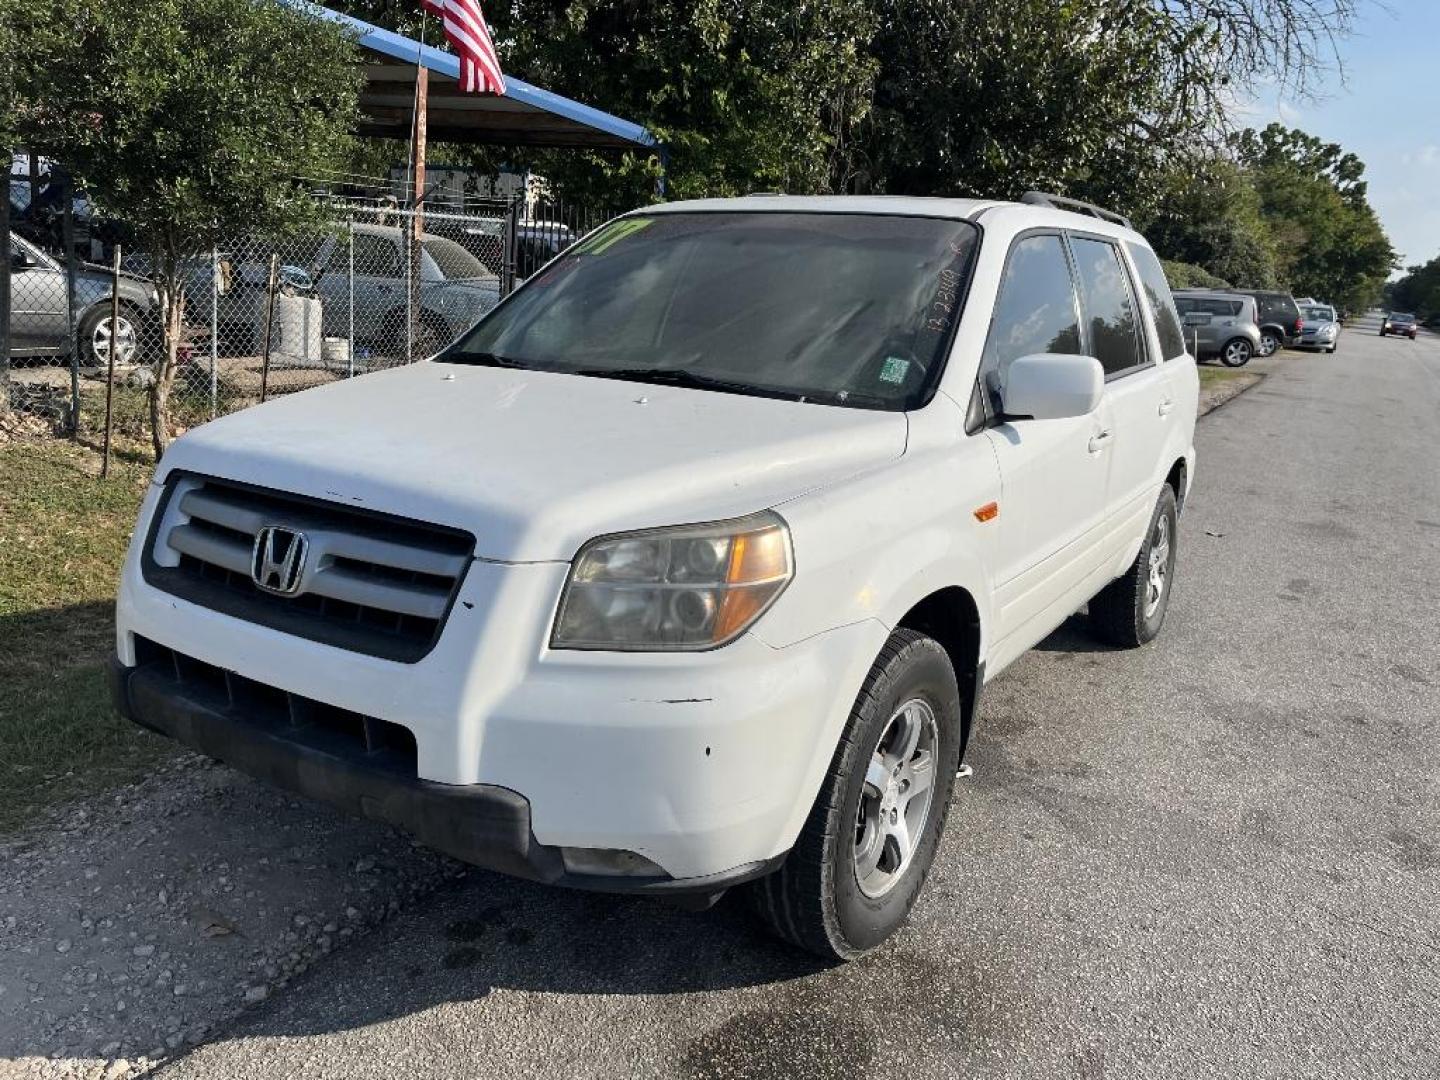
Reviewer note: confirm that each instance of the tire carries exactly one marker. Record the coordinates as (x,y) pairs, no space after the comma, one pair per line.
(842,891)
(1237,352)
(92,336)
(1270,343)
(1131,610)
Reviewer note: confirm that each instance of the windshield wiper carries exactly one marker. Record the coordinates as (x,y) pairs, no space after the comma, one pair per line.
(688,379)
(481,359)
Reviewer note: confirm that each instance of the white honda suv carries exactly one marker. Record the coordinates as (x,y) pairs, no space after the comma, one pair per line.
(684,569)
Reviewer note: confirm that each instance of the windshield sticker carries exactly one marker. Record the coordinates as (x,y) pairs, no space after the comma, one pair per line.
(894,369)
(608,237)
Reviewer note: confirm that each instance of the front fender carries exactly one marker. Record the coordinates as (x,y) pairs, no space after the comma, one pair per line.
(875,546)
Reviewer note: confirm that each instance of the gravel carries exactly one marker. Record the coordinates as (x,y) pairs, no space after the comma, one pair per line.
(138,923)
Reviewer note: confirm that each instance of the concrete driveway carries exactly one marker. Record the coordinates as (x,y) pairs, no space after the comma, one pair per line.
(1214,856)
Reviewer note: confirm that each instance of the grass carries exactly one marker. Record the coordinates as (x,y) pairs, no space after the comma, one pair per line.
(63,534)
(1214,376)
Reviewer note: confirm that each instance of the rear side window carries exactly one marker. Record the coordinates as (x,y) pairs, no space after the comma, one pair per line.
(1035,311)
(1157,296)
(1108,304)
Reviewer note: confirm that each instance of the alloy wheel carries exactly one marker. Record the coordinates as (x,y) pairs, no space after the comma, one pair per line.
(1158,566)
(1237,353)
(896,801)
(125,341)
(1269,344)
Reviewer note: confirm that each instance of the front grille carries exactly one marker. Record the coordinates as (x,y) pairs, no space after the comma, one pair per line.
(304,721)
(372,583)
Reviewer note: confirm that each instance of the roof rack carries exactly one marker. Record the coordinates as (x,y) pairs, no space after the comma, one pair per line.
(1061,202)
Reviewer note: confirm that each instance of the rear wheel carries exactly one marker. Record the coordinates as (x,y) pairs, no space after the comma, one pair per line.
(863,855)
(1236,353)
(1131,609)
(1269,343)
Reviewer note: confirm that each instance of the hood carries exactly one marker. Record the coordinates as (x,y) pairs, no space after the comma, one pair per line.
(534,463)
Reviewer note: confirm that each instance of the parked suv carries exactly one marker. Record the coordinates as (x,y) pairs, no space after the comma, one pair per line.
(1219,325)
(1278,316)
(685,568)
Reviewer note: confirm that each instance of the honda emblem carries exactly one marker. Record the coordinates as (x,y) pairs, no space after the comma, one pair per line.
(277,564)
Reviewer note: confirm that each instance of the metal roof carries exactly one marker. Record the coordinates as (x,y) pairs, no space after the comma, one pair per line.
(524,116)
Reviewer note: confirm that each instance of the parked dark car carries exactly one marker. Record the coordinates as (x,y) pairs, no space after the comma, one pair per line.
(1400,324)
(1278,316)
(37,309)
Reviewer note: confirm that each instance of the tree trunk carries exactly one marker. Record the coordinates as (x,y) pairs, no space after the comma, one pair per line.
(172,292)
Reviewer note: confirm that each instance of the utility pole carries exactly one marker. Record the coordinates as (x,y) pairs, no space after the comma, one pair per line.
(417,197)
(415,226)
(5,267)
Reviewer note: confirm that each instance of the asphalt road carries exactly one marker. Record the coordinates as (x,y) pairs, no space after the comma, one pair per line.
(1215,856)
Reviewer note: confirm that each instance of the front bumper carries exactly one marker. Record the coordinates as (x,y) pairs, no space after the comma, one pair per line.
(483,824)
(705,764)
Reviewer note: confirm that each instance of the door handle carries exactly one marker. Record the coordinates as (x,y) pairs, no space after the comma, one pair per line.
(1167,407)
(1098,441)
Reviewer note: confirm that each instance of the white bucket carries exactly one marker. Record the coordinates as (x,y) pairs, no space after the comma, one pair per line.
(335,352)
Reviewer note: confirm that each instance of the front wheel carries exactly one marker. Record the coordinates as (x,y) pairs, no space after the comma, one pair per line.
(95,336)
(1269,343)
(866,848)
(1236,353)
(1131,609)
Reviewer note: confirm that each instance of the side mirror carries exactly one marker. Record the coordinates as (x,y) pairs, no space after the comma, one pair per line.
(19,260)
(1052,386)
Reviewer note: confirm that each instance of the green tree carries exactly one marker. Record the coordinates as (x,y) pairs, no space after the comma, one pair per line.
(1209,215)
(981,99)
(187,119)
(1418,290)
(1183,275)
(1096,98)
(1328,241)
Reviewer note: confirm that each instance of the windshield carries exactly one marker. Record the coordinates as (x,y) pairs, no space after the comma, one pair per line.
(1320,314)
(1402,318)
(845,309)
(452,259)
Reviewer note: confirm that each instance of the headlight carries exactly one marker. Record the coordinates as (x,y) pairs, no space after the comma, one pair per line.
(687,588)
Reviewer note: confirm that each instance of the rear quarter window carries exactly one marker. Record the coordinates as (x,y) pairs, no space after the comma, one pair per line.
(1159,301)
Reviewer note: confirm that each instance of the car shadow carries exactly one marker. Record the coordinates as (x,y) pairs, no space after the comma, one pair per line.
(486,948)
(1074,636)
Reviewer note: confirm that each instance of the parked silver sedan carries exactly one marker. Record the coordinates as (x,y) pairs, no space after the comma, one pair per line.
(1320,329)
(38,322)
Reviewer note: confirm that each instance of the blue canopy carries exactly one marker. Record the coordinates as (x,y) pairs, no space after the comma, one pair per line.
(524,115)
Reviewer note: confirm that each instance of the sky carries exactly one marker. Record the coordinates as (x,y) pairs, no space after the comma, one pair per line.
(1386,109)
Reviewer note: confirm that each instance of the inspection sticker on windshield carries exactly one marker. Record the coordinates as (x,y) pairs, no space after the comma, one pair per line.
(894,368)
(612,234)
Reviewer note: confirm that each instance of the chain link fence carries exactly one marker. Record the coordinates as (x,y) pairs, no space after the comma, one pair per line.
(260,318)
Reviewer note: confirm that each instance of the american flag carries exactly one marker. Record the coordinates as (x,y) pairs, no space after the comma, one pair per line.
(466,30)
